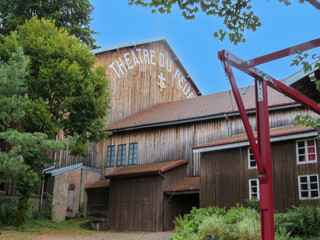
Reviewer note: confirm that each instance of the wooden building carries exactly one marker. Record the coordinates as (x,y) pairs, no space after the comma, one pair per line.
(157,118)
(229,174)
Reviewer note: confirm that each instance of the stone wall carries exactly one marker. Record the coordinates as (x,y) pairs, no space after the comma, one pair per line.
(71,184)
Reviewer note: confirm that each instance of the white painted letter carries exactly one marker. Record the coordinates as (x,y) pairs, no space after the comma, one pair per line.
(139,51)
(111,66)
(177,73)
(161,59)
(184,89)
(169,69)
(146,55)
(152,57)
(127,60)
(182,79)
(135,59)
(191,95)
(121,65)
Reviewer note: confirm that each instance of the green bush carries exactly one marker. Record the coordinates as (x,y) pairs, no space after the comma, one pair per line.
(253,203)
(299,221)
(8,209)
(240,223)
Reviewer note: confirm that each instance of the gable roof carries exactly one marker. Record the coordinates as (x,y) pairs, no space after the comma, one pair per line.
(149,41)
(147,169)
(276,134)
(197,109)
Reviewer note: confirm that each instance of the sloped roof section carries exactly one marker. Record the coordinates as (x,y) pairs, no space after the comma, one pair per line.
(287,132)
(137,43)
(99,184)
(211,105)
(145,169)
(186,184)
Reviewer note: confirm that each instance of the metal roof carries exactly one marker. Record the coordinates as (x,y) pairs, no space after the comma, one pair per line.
(149,41)
(276,134)
(186,184)
(145,169)
(99,184)
(304,82)
(197,109)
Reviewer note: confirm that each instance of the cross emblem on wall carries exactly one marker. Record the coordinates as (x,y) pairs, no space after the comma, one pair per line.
(162,82)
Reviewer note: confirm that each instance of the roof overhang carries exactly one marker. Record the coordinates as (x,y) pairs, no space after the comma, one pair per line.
(246,143)
(304,82)
(197,119)
(58,171)
(146,169)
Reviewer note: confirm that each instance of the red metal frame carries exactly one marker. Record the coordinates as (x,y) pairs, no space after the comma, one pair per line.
(261,149)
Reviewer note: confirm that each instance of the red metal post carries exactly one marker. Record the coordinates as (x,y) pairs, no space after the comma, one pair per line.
(262,153)
(265,184)
(244,117)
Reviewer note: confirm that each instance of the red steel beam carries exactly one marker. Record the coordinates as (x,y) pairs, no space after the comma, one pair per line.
(272,82)
(283,53)
(262,154)
(244,117)
(265,185)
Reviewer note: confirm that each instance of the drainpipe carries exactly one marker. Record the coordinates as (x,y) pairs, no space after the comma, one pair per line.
(229,125)
(45,170)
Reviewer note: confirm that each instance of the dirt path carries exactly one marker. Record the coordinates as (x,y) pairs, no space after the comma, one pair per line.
(9,235)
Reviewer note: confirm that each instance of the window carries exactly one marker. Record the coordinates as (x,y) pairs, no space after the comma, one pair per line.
(306,151)
(308,186)
(253,188)
(251,162)
(133,153)
(121,160)
(110,155)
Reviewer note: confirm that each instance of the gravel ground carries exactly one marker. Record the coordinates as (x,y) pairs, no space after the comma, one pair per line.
(6,235)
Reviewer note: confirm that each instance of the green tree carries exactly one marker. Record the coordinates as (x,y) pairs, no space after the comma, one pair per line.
(65,91)
(28,152)
(237,15)
(73,15)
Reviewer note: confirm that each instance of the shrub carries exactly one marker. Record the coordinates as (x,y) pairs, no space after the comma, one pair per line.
(210,225)
(8,209)
(299,221)
(253,203)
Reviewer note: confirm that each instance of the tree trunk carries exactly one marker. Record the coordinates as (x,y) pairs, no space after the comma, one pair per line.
(22,208)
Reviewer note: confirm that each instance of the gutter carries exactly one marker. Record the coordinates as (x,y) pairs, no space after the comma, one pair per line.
(47,169)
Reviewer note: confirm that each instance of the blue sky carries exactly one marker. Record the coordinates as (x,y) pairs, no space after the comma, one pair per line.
(194,44)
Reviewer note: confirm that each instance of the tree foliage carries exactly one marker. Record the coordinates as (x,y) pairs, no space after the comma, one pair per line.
(65,90)
(237,15)
(73,15)
(22,154)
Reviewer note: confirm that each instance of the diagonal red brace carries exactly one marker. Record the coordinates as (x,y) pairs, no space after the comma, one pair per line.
(244,117)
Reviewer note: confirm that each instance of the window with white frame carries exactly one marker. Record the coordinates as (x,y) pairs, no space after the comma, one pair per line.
(121,158)
(133,153)
(306,151)
(253,188)
(251,162)
(110,155)
(308,186)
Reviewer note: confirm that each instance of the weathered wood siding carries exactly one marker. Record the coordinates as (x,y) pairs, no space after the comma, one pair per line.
(175,142)
(134,88)
(136,203)
(98,201)
(64,158)
(224,176)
